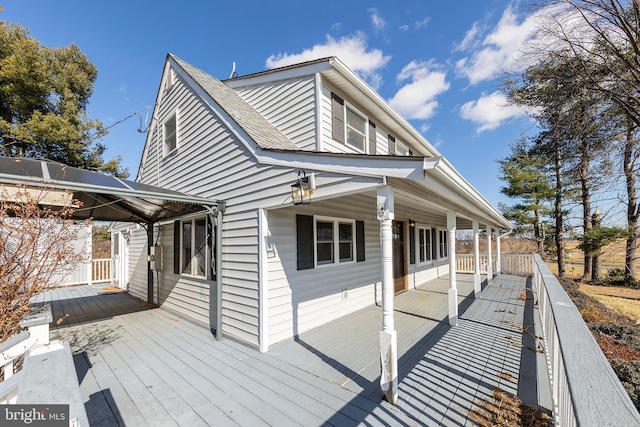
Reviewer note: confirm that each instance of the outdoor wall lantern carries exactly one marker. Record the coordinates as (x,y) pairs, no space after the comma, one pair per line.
(303,187)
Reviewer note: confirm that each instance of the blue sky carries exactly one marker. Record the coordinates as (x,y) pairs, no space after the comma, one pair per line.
(439,63)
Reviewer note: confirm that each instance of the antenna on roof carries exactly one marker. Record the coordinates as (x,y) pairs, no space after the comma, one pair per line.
(233,71)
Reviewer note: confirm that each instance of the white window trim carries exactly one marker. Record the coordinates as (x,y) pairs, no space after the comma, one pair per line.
(336,241)
(429,253)
(402,144)
(442,231)
(164,139)
(346,127)
(207,252)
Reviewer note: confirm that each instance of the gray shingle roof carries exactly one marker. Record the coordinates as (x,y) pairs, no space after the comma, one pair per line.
(254,124)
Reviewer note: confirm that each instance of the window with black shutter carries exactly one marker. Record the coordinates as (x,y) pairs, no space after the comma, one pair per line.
(337,113)
(360,241)
(176,247)
(372,138)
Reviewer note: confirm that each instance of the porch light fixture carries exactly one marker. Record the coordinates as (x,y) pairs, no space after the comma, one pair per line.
(301,190)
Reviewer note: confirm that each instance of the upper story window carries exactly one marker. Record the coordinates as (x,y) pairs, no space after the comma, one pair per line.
(170,134)
(401,149)
(356,129)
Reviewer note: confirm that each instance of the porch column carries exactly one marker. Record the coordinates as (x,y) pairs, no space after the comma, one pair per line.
(453,291)
(477,283)
(498,254)
(388,337)
(489,257)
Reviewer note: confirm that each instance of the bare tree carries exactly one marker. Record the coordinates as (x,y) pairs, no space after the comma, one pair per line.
(36,247)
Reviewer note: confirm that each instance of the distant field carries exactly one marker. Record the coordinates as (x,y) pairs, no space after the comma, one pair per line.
(622,300)
(612,256)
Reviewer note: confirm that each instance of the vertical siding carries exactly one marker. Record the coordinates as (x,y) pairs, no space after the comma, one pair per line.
(289,105)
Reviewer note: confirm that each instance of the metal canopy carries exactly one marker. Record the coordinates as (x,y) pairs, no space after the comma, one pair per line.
(101,197)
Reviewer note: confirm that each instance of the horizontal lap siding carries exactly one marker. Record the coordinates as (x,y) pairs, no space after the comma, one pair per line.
(289,105)
(211,162)
(138,266)
(302,300)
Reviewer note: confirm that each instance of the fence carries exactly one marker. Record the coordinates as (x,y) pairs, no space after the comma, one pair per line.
(585,389)
(510,263)
(101,269)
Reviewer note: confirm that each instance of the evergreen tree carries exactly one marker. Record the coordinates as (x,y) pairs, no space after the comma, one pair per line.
(44,94)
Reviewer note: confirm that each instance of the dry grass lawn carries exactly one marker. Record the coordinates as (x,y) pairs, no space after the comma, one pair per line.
(622,300)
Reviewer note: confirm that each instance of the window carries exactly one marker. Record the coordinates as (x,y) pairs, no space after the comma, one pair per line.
(425,244)
(347,120)
(401,149)
(326,241)
(356,125)
(444,247)
(170,134)
(191,249)
(334,240)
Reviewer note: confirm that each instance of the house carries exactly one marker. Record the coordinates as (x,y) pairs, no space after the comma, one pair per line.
(384,203)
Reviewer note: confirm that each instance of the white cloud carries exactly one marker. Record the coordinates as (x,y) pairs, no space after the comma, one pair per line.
(403,28)
(470,38)
(352,50)
(490,111)
(422,23)
(499,50)
(417,98)
(377,21)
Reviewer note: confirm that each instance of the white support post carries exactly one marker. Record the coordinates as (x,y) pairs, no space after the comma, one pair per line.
(453,290)
(498,254)
(477,282)
(388,337)
(489,257)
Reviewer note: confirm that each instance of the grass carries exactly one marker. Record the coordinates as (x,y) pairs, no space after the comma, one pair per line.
(622,300)
(508,411)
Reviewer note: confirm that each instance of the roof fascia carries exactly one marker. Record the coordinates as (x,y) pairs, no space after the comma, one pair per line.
(275,75)
(359,165)
(354,79)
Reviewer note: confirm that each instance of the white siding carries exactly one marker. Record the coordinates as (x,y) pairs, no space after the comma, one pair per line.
(329,144)
(302,300)
(289,105)
(210,161)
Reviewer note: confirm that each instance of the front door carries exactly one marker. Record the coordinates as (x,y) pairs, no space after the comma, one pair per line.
(398,256)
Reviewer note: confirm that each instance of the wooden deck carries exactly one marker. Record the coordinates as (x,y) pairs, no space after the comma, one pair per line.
(150,367)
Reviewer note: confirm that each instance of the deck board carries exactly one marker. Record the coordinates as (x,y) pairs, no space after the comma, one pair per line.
(139,366)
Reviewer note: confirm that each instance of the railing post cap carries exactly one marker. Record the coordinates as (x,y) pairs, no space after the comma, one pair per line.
(40,316)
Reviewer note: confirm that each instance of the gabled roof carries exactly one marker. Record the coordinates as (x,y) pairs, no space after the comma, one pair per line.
(101,197)
(254,124)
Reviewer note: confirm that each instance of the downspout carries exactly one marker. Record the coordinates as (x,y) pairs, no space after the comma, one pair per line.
(149,227)
(219,213)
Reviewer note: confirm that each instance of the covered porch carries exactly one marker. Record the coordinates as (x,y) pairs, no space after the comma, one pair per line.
(150,367)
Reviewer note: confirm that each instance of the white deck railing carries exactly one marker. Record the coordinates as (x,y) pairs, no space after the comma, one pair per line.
(101,269)
(510,263)
(585,389)
(465,263)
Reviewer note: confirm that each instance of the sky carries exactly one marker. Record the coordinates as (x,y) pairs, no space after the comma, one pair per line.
(438,63)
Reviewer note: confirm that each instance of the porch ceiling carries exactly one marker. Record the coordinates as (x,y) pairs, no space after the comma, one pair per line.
(101,197)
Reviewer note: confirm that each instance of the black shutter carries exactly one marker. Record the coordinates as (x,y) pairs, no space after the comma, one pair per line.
(392,145)
(360,241)
(304,232)
(434,244)
(412,243)
(372,138)
(176,247)
(337,113)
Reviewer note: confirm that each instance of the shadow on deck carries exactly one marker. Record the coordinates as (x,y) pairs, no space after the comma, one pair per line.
(150,367)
